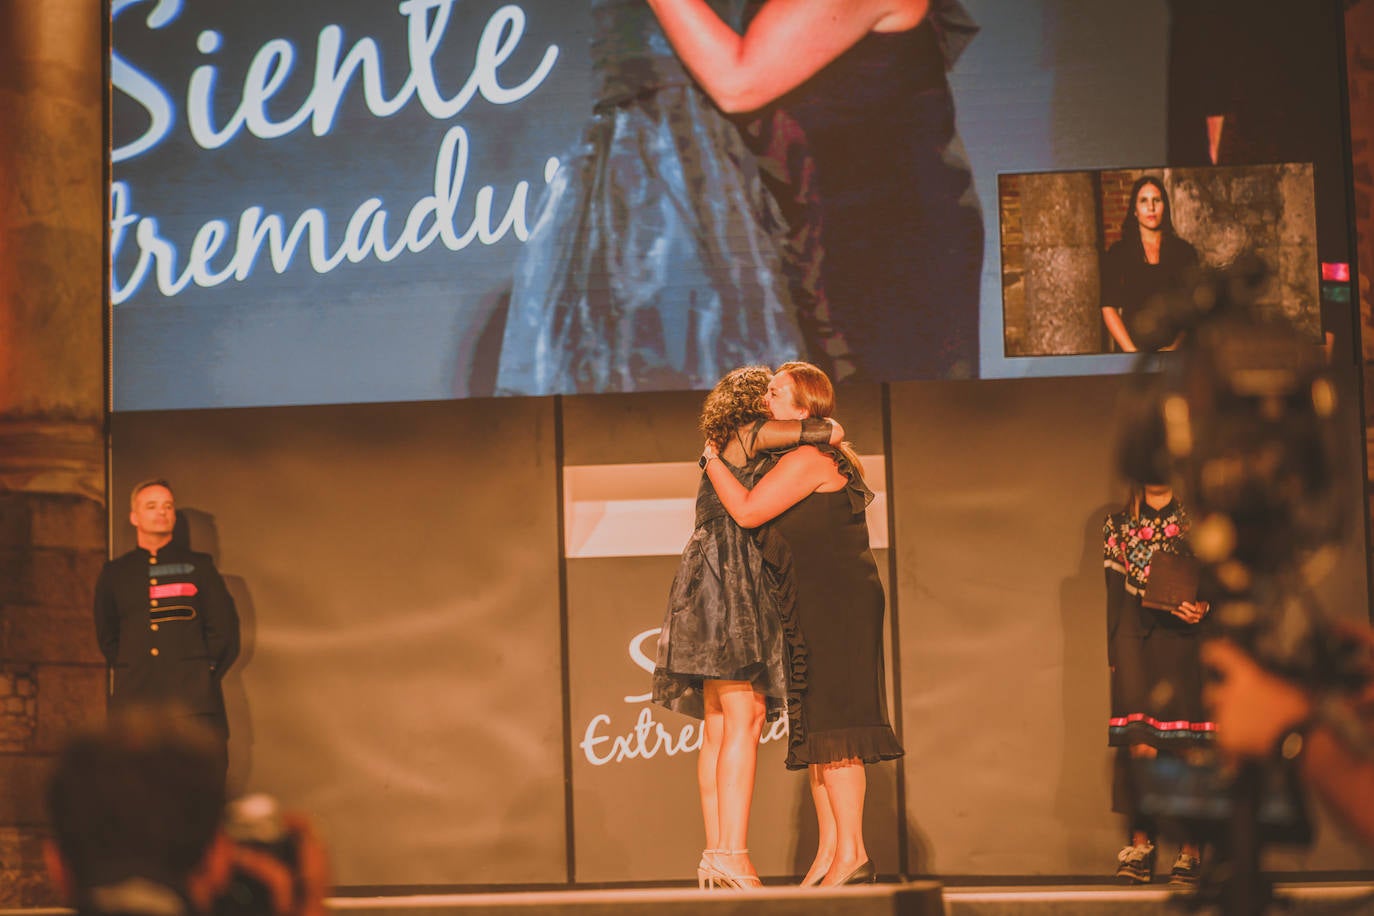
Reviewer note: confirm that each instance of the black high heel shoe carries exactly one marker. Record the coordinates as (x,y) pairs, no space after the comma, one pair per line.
(864,874)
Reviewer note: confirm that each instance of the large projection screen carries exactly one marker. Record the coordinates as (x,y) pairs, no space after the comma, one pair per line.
(410,298)
(356,201)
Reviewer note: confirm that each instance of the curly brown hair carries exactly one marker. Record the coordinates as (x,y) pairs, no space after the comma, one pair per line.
(736,400)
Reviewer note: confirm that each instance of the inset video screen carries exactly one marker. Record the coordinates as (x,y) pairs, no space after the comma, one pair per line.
(338,201)
(1087,256)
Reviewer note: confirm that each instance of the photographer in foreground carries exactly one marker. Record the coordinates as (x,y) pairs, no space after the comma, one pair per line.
(1329,737)
(137,810)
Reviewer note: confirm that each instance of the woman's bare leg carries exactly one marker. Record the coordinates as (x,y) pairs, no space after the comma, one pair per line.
(825,826)
(845,785)
(743,712)
(712,729)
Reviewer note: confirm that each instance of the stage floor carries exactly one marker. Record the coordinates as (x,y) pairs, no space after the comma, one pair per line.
(1155,900)
(915,898)
(920,898)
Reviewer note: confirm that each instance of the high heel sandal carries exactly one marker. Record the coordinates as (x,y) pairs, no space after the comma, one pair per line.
(704,869)
(711,875)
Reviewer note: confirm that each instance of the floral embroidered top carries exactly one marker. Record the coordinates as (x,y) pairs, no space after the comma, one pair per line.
(1129,543)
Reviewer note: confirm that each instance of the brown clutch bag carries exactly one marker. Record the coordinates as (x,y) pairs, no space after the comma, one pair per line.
(1173,580)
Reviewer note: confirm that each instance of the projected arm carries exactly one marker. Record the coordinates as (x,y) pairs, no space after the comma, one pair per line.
(1117,328)
(786,43)
(1215,125)
(1112,279)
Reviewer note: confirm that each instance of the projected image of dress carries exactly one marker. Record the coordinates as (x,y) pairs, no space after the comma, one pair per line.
(653,261)
(901,230)
(854,102)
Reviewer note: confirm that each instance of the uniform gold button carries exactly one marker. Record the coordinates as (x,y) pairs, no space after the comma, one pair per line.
(152,651)
(154,602)
(154,628)
(152,559)
(152,582)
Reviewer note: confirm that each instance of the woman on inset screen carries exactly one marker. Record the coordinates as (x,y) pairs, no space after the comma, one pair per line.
(813,499)
(1149,259)
(862,85)
(730,640)
(1156,670)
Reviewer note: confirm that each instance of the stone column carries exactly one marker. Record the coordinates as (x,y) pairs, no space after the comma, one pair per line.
(1059,223)
(1359,58)
(52,502)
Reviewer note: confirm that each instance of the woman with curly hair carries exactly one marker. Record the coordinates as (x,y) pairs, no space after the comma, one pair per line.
(651,262)
(726,651)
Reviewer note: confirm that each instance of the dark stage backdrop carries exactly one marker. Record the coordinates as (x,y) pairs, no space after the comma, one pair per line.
(397,568)
(1001,489)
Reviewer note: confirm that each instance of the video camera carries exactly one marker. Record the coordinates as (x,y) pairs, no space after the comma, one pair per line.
(255,821)
(1242,419)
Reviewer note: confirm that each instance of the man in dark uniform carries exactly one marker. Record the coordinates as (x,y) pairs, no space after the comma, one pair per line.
(164,620)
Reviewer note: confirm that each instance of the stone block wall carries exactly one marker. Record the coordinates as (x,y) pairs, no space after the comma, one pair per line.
(52,677)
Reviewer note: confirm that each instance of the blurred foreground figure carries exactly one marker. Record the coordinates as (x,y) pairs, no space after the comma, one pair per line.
(137,811)
(1328,735)
(1244,421)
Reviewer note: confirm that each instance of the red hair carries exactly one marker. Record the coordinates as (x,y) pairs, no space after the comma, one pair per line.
(813,392)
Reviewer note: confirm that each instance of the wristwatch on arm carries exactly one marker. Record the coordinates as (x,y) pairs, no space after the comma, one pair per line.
(1331,712)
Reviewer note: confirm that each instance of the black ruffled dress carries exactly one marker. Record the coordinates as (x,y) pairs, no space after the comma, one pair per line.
(839,601)
(900,229)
